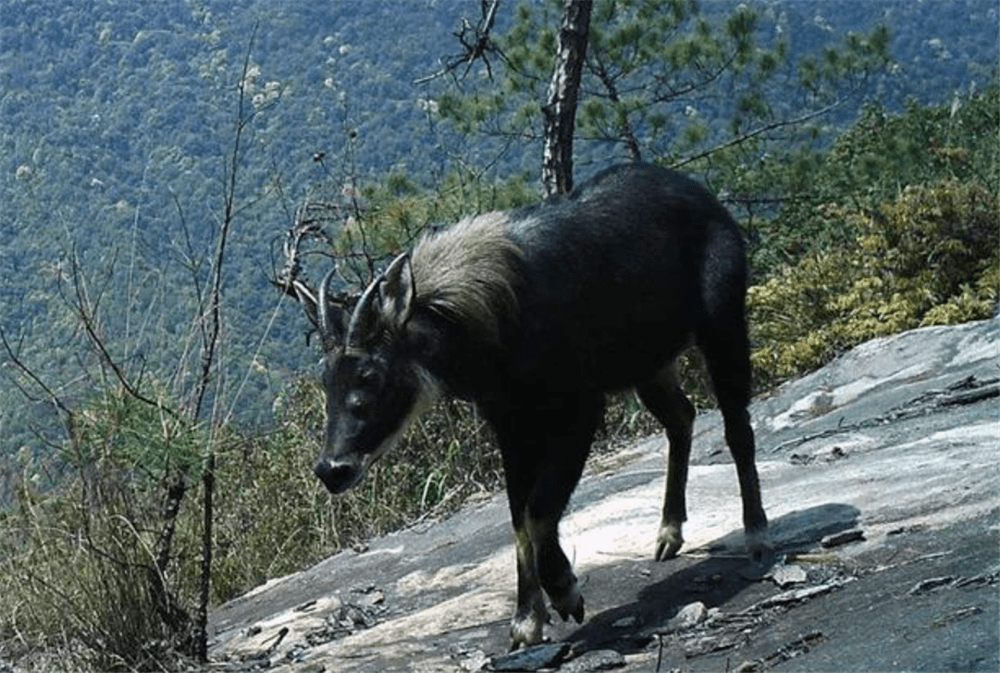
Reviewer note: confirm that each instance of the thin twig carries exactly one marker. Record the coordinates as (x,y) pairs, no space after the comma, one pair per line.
(24,369)
(756,132)
(86,313)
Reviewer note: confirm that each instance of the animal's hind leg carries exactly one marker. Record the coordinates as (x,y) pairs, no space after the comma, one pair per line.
(739,437)
(665,400)
(727,354)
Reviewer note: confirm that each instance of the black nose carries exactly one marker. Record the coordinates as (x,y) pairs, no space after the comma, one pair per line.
(337,477)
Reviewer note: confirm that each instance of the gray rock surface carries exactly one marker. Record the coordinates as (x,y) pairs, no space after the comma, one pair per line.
(880,473)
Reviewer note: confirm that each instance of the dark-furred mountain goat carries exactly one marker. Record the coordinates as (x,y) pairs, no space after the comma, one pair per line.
(535,314)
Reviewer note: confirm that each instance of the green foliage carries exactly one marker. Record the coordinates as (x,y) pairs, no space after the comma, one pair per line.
(883,151)
(81,591)
(853,254)
(271,517)
(655,74)
(150,440)
(867,164)
(928,257)
(821,74)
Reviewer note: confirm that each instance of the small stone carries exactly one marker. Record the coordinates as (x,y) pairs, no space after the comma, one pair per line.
(595,660)
(836,453)
(787,575)
(690,615)
(474,661)
(796,595)
(372,596)
(842,538)
(546,655)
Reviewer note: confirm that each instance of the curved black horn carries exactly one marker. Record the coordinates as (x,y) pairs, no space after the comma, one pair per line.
(326,332)
(363,321)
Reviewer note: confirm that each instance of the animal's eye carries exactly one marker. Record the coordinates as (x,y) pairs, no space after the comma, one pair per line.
(368,380)
(363,388)
(358,403)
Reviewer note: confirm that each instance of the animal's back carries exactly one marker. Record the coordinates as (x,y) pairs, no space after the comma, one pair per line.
(620,274)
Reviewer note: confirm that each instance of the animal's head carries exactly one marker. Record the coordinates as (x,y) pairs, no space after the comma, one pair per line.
(374,386)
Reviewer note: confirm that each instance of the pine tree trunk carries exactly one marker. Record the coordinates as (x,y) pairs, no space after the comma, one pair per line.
(560,108)
(204,598)
(170,611)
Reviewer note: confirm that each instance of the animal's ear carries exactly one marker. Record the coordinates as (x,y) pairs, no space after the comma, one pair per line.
(334,325)
(397,292)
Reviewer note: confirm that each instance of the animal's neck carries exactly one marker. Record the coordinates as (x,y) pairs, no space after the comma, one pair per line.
(463,365)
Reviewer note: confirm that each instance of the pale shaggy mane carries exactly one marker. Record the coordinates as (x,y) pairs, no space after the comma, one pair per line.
(468,273)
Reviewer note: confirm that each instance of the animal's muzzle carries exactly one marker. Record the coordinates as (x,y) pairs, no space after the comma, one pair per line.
(337,476)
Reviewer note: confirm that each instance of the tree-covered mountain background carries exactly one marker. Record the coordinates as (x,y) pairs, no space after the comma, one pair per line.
(117,119)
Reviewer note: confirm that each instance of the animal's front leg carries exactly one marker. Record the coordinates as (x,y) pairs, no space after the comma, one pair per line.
(530,616)
(559,471)
(542,470)
(554,568)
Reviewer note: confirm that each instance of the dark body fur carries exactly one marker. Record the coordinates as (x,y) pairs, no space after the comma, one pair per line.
(536,313)
(616,279)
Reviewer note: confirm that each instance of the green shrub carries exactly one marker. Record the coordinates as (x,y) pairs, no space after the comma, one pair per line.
(928,257)
(76,559)
(866,166)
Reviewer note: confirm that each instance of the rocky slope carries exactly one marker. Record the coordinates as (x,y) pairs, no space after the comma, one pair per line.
(880,474)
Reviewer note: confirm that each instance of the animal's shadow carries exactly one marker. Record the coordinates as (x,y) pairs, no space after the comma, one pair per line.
(714,580)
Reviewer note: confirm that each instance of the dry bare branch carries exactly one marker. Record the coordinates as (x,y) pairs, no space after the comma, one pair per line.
(477,43)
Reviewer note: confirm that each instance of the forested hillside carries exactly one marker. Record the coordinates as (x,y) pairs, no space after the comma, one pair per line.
(116,122)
